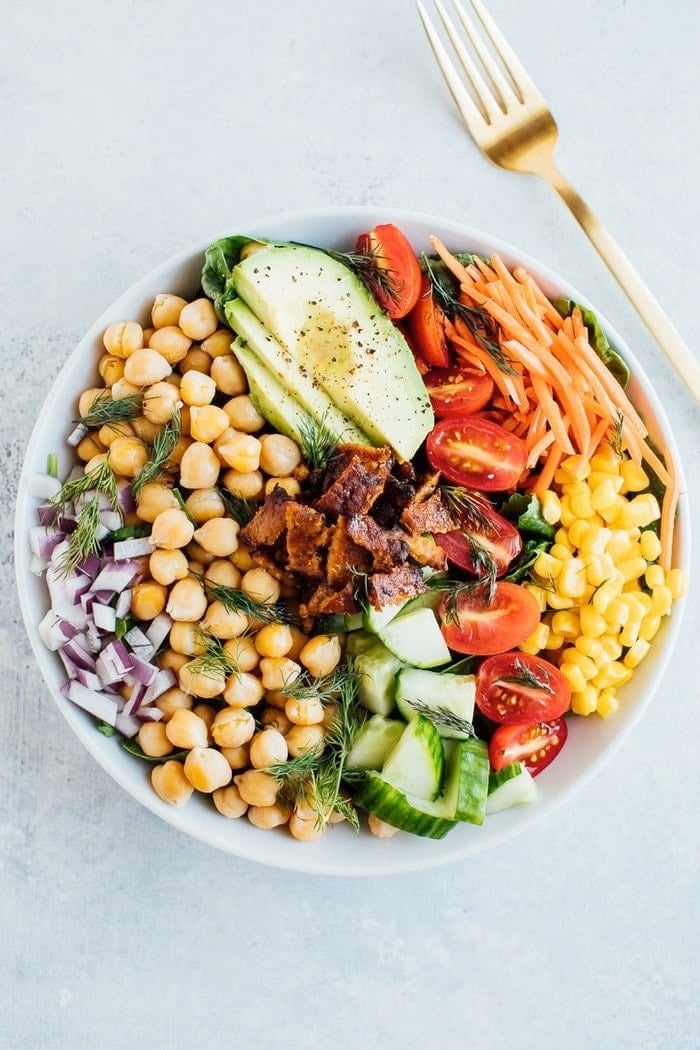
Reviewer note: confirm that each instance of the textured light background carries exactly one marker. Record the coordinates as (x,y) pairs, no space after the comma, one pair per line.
(128,131)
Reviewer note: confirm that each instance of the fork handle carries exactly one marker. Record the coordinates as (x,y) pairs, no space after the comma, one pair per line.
(668,338)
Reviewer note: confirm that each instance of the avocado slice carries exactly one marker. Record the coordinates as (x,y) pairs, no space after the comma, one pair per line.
(330,326)
(279,385)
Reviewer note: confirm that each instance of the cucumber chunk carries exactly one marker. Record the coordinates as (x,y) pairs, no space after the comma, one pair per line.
(374,620)
(416,763)
(357,642)
(376,669)
(473,787)
(416,639)
(443,693)
(513,785)
(373,743)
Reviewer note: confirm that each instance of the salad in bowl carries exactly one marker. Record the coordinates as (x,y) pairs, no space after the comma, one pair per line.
(361,528)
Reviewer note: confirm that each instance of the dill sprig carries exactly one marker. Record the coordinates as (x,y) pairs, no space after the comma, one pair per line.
(470,508)
(183,506)
(318,441)
(100,479)
(442,717)
(617,438)
(368,267)
(477,592)
(479,323)
(104,410)
(215,661)
(159,452)
(236,507)
(327,689)
(84,540)
(235,600)
(528,677)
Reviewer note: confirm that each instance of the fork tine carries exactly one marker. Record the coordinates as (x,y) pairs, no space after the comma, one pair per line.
(521,78)
(452,78)
(503,90)
(484,95)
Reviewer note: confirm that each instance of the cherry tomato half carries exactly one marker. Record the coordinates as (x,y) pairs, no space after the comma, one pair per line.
(399,287)
(480,627)
(426,327)
(517,687)
(457,391)
(476,453)
(534,744)
(498,539)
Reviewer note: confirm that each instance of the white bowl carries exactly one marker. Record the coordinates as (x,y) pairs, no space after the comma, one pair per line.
(340,852)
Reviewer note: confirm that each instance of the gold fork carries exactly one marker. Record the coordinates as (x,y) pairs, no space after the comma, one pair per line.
(512,124)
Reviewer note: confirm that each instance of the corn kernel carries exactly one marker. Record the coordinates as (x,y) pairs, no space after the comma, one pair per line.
(636,653)
(585,701)
(572,581)
(612,646)
(588,667)
(537,640)
(618,545)
(654,576)
(578,532)
(611,514)
(617,613)
(650,545)
(633,477)
(546,566)
(607,703)
(593,623)
(640,511)
(573,676)
(560,551)
(600,568)
(632,568)
(581,505)
(592,647)
(577,467)
(605,495)
(606,460)
(566,624)
(661,601)
(598,477)
(562,536)
(594,541)
(551,507)
(559,601)
(554,641)
(538,593)
(605,593)
(567,516)
(677,583)
(650,627)
(630,633)
(613,674)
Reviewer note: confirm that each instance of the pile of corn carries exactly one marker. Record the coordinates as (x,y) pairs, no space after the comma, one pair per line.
(601,589)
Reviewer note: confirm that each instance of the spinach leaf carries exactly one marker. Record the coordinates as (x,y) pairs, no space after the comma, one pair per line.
(599,341)
(219,261)
(519,570)
(106,729)
(525,511)
(133,748)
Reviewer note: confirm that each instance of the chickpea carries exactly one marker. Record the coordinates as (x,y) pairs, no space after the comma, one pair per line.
(237,757)
(178,452)
(148,599)
(277,699)
(224,623)
(242,558)
(147,333)
(195,359)
(243,690)
(196,388)
(303,738)
(207,769)
(247,486)
(166,309)
(267,748)
(186,638)
(380,828)
(274,639)
(218,344)
(256,787)
(171,343)
(205,685)
(242,653)
(229,376)
(170,783)
(207,422)
(241,452)
(127,455)
(95,462)
(199,557)
(198,319)
(199,467)
(267,817)
(280,455)
(110,368)
(153,499)
(146,366)
(321,655)
(160,401)
(207,713)
(289,485)
(223,572)
(88,447)
(171,529)
(299,640)
(272,718)
(187,602)
(87,399)
(123,388)
(228,801)
(167,566)
(144,429)
(304,711)
(278,672)
(153,741)
(110,432)
(173,700)
(306,830)
(204,504)
(240,410)
(259,585)
(123,338)
(218,536)
(185,729)
(233,727)
(168,659)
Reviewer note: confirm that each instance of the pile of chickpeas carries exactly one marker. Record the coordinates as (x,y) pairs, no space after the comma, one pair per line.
(182,362)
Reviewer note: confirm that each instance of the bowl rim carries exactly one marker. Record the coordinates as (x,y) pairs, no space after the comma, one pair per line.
(302,860)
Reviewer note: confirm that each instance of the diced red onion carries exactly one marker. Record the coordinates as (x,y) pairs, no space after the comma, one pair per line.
(37,566)
(104,616)
(43,486)
(123,603)
(159,629)
(135,637)
(134,702)
(43,539)
(141,671)
(88,678)
(76,435)
(150,714)
(111,519)
(115,576)
(46,514)
(93,637)
(55,631)
(90,566)
(127,725)
(127,501)
(135,547)
(97,703)
(164,680)
(76,650)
